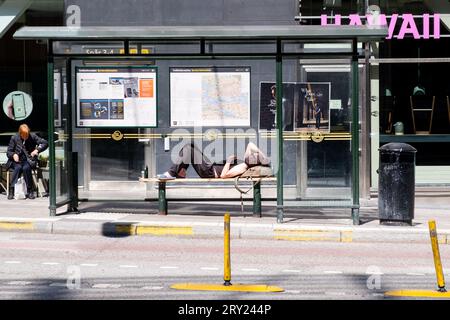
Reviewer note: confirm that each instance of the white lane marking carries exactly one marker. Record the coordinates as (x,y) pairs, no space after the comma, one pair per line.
(168,267)
(106,286)
(415,274)
(332,272)
(378,294)
(19,283)
(250,269)
(58,284)
(292,291)
(127,266)
(13,262)
(89,265)
(209,268)
(291,270)
(50,263)
(379,273)
(152,288)
(335,293)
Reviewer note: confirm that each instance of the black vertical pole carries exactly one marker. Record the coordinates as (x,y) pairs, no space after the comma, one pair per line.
(355,134)
(51,129)
(279,117)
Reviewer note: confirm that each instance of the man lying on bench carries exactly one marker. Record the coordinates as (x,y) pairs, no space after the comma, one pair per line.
(230,168)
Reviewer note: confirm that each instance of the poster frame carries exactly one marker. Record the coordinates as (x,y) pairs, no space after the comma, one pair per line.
(211,67)
(295,109)
(117,67)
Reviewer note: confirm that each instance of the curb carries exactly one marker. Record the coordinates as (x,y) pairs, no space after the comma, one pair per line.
(267,231)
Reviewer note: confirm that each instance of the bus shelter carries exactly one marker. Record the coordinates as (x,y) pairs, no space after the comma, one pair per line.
(121,99)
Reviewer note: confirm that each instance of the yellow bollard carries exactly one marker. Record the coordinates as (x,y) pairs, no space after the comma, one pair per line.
(437,256)
(226,286)
(226,247)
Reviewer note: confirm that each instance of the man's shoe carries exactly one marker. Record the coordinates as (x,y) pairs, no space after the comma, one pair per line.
(31,196)
(165,176)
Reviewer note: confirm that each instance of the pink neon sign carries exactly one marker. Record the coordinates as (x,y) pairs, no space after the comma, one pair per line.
(408,25)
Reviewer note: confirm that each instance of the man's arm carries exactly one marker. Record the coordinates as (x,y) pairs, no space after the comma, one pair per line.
(11,148)
(40,142)
(235,171)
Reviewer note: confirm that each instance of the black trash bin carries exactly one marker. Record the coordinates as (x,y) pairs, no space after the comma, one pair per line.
(396,184)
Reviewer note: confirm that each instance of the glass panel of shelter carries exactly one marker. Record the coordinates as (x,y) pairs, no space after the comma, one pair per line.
(61,126)
(315,172)
(317,94)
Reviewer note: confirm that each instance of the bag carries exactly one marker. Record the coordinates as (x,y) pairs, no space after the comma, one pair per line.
(258,171)
(20,189)
(32,162)
(256,159)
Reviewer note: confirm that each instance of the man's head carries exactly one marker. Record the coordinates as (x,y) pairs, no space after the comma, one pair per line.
(24,131)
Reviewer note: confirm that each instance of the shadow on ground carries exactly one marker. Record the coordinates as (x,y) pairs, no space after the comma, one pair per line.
(207,209)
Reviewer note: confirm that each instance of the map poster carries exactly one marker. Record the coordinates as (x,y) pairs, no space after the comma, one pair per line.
(210,96)
(267,106)
(313,109)
(116,97)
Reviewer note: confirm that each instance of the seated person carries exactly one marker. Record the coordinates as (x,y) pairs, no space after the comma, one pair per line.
(191,155)
(23,150)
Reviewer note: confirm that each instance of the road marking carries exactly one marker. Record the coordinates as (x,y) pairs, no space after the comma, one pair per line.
(291,270)
(293,291)
(378,294)
(13,262)
(106,286)
(19,283)
(415,274)
(89,265)
(50,263)
(152,288)
(209,268)
(332,272)
(58,284)
(379,273)
(250,269)
(127,266)
(168,267)
(335,293)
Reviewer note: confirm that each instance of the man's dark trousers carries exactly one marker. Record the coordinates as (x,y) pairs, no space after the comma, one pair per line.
(22,167)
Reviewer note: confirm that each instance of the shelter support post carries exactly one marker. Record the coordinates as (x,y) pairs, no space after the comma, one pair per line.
(279,121)
(355,135)
(257,199)
(51,139)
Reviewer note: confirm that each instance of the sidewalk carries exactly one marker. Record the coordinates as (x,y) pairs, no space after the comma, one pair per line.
(203,219)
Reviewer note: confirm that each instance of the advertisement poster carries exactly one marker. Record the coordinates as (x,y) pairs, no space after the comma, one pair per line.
(306,106)
(57,98)
(313,110)
(116,97)
(210,96)
(268,110)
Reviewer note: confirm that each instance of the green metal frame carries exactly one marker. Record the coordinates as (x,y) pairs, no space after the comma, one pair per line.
(201,34)
(51,138)
(355,135)
(279,120)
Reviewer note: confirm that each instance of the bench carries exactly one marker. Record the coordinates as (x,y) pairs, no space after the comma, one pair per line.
(256,181)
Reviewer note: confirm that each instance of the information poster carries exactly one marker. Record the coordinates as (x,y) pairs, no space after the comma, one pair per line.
(116,97)
(306,106)
(210,96)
